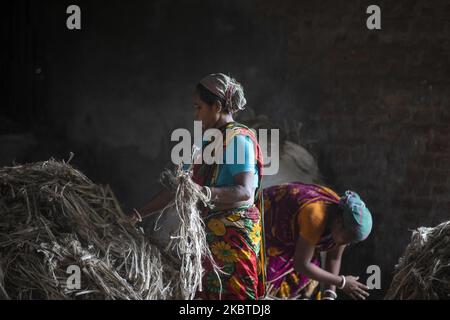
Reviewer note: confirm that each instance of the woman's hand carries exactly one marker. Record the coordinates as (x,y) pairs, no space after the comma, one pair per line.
(199,188)
(134,217)
(355,289)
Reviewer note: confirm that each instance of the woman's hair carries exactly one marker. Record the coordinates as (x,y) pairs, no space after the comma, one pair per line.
(337,214)
(208,97)
(219,87)
(352,233)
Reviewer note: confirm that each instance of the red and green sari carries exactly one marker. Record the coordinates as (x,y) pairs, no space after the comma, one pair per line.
(235,236)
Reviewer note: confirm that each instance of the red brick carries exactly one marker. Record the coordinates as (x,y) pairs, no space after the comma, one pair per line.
(442,162)
(422,189)
(439,144)
(441,189)
(416,175)
(443,206)
(423,116)
(420,129)
(399,113)
(428,159)
(437,176)
(442,131)
(416,204)
(442,116)
(394,99)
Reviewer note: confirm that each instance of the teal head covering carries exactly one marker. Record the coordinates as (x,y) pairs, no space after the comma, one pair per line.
(356,216)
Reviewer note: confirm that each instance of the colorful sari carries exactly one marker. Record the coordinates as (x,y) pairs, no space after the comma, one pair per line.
(235,236)
(283,204)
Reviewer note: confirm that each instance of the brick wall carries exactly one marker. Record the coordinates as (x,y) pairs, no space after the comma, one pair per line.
(382,121)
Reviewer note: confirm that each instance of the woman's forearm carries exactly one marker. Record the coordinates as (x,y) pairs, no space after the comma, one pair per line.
(314,272)
(157,203)
(228,195)
(333,266)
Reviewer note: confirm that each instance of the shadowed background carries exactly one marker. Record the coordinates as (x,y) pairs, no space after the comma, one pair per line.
(373,104)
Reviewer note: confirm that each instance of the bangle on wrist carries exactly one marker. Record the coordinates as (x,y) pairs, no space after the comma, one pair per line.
(332,294)
(343,283)
(208,193)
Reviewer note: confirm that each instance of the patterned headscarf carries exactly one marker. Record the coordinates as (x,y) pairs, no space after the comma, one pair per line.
(226,88)
(356,215)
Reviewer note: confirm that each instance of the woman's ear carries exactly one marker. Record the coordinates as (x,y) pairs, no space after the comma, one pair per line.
(217,106)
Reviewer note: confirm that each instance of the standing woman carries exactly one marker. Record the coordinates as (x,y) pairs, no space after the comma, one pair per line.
(302,220)
(234,225)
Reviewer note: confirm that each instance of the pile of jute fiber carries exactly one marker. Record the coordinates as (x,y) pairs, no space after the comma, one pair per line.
(423,272)
(54,220)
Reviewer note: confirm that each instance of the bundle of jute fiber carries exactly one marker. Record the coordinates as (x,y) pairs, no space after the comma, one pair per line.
(54,220)
(423,272)
(189,242)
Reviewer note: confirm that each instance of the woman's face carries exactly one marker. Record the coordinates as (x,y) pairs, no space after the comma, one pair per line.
(340,236)
(208,115)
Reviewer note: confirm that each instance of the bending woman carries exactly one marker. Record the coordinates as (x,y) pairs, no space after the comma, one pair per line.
(302,220)
(234,227)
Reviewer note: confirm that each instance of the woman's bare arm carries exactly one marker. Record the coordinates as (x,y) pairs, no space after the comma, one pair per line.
(333,262)
(157,203)
(241,193)
(224,197)
(302,264)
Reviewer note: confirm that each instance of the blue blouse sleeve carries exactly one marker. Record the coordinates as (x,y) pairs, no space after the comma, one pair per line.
(240,156)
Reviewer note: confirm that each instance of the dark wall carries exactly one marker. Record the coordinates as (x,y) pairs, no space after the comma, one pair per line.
(374,104)
(113,92)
